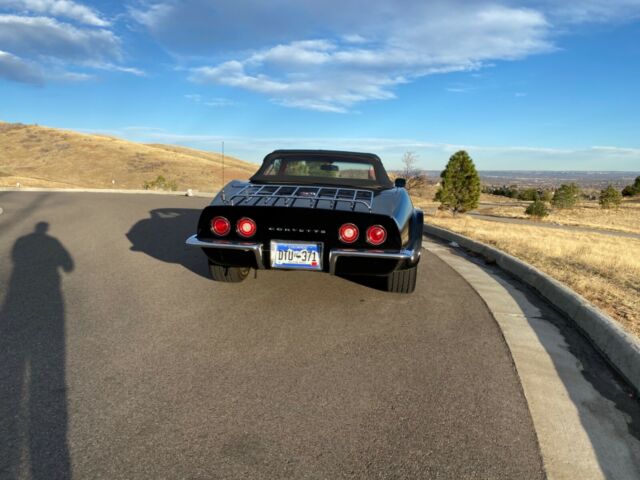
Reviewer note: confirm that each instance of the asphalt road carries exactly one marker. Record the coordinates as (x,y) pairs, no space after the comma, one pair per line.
(120,359)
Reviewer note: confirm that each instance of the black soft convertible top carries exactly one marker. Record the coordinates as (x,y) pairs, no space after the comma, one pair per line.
(382,179)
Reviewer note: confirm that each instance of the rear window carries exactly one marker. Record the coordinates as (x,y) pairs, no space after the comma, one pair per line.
(323,168)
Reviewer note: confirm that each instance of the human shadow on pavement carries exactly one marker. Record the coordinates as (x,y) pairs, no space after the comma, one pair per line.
(33,390)
(162,236)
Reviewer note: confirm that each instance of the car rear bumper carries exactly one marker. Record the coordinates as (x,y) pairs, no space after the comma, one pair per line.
(340,261)
(360,260)
(255,249)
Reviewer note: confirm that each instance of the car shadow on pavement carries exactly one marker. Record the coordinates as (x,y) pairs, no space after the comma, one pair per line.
(162,236)
(376,283)
(33,391)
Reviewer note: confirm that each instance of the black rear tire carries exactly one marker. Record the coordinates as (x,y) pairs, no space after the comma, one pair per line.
(402,281)
(220,273)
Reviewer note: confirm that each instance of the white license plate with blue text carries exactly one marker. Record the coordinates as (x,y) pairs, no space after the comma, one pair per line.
(296,255)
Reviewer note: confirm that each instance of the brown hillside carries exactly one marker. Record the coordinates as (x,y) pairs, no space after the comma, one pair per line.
(46,157)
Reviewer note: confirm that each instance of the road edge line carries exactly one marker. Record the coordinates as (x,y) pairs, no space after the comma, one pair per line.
(619,348)
(177,193)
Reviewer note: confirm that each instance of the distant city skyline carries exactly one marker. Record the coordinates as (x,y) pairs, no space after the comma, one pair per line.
(521,85)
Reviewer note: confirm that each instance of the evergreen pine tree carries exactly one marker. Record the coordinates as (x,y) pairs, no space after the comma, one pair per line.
(631,190)
(566,196)
(538,209)
(610,197)
(460,185)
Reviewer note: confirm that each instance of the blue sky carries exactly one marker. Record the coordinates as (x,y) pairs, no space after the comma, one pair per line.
(532,85)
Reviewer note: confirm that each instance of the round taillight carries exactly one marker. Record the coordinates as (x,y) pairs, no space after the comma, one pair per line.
(220,226)
(348,233)
(246,227)
(376,235)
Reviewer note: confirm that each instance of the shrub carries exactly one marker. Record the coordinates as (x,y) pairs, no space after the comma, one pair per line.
(631,190)
(415,184)
(546,195)
(460,186)
(529,194)
(503,191)
(610,197)
(160,183)
(566,196)
(538,209)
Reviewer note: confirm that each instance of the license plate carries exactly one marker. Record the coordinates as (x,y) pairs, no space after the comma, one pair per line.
(296,255)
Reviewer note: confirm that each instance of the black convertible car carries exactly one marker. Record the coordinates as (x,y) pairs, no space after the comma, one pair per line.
(328,211)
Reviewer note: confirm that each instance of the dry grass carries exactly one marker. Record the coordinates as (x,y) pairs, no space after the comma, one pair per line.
(423,198)
(587,214)
(603,268)
(488,199)
(46,157)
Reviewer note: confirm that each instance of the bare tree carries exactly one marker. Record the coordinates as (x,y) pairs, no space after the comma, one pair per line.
(411,173)
(409,160)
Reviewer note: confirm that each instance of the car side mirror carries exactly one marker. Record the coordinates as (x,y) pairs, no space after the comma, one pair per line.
(400,183)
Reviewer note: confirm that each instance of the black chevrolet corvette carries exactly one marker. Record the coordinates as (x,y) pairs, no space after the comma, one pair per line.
(319,210)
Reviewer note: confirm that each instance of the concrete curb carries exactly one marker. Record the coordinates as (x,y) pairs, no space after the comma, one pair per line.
(620,349)
(180,193)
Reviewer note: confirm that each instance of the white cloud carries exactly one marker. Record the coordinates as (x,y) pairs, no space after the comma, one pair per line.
(618,150)
(17,70)
(333,54)
(23,71)
(44,49)
(355,56)
(330,76)
(47,37)
(302,53)
(592,11)
(460,89)
(432,155)
(69,76)
(354,38)
(58,8)
(218,102)
(150,15)
(110,67)
(321,92)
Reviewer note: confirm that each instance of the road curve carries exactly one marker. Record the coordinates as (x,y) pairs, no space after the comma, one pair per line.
(119,358)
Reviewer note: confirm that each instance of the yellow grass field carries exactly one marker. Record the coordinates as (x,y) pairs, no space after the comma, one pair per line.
(626,218)
(604,269)
(46,157)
